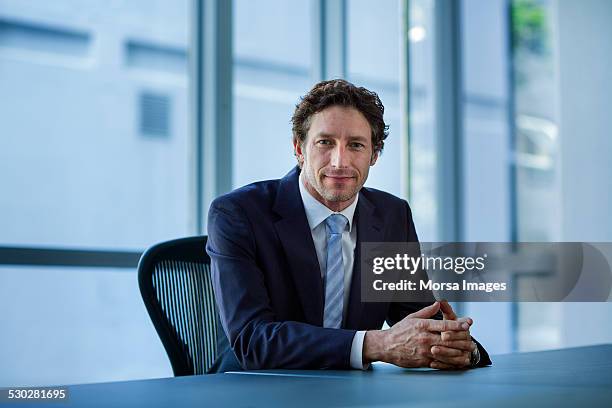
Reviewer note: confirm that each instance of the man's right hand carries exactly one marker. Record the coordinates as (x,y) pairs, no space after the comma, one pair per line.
(408,343)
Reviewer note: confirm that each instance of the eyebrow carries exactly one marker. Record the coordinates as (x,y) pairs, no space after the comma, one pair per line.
(351,138)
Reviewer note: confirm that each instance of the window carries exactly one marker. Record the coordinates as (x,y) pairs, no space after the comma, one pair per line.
(85,84)
(95,154)
(536,144)
(272,69)
(374,62)
(422,146)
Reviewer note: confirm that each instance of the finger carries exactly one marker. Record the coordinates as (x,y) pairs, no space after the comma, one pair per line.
(442,366)
(447,310)
(426,312)
(456,335)
(425,353)
(425,361)
(428,339)
(442,351)
(446,325)
(466,319)
(420,355)
(460,361)
(464,345)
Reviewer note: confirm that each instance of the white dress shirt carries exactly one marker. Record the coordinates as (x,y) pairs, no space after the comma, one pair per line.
(317,213)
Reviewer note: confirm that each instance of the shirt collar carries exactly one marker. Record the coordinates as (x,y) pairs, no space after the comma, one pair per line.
(316,212)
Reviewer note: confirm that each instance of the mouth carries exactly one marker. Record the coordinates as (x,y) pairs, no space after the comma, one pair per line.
(339,178)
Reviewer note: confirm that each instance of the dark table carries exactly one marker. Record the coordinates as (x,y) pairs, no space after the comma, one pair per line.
(558,378)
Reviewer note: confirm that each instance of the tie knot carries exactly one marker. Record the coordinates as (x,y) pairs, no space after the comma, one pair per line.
(336,223)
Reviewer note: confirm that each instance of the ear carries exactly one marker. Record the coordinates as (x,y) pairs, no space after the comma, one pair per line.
(373,159)
(297,150)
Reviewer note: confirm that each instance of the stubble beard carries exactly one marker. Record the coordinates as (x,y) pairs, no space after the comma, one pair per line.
(325,193)
(336,197)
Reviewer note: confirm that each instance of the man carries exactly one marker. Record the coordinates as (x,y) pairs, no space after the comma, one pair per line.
(285,255)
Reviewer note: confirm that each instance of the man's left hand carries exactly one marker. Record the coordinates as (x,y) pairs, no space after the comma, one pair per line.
(455,350)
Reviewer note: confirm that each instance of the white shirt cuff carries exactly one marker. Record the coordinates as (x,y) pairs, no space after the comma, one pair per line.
(357,351)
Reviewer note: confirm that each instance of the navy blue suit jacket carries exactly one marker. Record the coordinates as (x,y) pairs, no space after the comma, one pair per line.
(268,283)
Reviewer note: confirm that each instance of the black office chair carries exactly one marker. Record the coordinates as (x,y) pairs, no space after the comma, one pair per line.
(175,284)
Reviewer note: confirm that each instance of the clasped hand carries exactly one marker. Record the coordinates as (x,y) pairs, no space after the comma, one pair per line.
(420,341)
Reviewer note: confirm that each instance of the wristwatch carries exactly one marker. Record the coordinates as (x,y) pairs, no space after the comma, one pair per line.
(475,357)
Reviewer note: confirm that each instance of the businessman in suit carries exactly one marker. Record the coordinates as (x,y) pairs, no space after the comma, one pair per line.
(285,255)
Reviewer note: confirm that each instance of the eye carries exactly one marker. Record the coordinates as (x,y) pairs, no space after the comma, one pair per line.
(356,145)
(324,142)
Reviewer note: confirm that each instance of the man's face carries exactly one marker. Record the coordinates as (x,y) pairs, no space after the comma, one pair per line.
(337,155)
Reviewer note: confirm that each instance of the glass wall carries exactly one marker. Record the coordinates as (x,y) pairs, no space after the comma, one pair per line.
(68,325)
(484,160)
(536,154)
(536,141)
(96,153)
(422,131)
(95,140)
(272,69)
(373,61)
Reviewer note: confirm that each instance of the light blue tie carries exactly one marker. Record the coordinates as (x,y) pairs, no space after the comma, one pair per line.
(334,275)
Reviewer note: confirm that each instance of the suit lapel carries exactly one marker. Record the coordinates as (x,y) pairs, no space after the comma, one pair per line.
(296,240)
(369,229)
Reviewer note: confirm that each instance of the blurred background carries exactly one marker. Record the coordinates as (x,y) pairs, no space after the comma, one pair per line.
(121,120)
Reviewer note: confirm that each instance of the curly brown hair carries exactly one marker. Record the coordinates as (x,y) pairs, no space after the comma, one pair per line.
(343,93)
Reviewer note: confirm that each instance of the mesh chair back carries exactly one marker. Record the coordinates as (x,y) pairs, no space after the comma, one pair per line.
(175,284)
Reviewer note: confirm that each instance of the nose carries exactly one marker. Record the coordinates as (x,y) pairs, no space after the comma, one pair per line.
(339,157)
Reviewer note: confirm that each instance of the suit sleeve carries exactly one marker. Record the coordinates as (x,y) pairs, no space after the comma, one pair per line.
(257,338)
(399,310)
